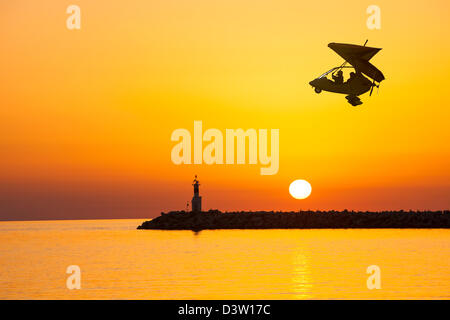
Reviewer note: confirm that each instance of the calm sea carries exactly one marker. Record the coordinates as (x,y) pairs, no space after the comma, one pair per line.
(119,262)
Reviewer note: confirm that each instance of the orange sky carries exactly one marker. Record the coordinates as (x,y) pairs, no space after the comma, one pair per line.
(86,115)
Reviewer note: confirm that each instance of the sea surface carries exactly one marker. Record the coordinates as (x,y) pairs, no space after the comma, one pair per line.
(119,262)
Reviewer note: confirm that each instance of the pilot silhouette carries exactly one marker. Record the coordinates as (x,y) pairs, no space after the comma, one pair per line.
(352,77)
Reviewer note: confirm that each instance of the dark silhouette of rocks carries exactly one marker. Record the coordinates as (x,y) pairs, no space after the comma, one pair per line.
(215,219)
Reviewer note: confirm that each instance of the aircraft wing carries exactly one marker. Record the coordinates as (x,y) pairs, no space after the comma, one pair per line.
(352,51)
(358,57)
(368,69)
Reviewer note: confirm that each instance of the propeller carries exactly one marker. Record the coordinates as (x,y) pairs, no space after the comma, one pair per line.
(373,85)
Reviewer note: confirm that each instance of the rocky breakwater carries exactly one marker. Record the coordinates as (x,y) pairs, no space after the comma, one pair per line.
(214,219)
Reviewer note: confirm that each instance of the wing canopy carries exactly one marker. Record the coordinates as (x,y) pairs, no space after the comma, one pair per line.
(358,57)
(353,51)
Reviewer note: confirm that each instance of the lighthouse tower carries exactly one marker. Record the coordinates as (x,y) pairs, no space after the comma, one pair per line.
(196,199)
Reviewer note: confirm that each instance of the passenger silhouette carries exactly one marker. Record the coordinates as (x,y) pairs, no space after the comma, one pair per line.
(353,77)
(339,78)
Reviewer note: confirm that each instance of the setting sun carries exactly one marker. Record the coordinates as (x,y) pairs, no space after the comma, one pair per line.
(300,189)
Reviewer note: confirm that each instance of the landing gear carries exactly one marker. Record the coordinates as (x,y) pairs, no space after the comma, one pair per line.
(317,90)
(353,100)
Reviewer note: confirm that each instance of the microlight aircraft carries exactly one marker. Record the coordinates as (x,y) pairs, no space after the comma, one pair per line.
(358,83)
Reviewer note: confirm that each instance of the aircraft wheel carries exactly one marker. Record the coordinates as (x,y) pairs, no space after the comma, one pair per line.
(317,90)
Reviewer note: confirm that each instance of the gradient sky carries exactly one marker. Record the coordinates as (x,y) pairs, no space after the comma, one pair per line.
(86,115)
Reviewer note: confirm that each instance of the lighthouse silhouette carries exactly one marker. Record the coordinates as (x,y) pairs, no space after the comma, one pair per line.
(196,199)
